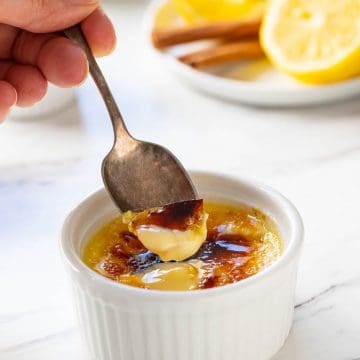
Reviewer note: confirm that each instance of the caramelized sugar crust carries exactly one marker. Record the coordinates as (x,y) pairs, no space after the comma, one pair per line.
(240,242)
(177,216)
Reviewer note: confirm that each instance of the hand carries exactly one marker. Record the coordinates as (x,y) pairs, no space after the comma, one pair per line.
(33,51)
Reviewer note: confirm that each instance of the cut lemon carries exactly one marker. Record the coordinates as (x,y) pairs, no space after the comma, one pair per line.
(315,41)
(166,15)
(197,11)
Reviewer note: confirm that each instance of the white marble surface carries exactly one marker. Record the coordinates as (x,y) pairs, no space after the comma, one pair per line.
(48,165)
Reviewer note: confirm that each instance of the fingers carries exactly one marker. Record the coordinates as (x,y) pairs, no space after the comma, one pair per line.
(8,35)
(45,16)
(7,98)
(25,46)
(99,32)
(27,80)
(30,59)
(62,62)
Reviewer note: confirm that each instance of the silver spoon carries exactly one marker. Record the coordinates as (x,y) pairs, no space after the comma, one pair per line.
(138,175)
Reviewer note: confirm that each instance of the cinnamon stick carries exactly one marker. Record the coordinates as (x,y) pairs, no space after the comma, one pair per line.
(224,53)
(164,37)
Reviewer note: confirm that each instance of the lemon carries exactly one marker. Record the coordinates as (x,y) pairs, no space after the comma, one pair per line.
(166,15)
(197,11)
(315,41)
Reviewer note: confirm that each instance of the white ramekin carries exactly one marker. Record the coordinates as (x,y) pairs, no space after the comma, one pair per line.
(249,320)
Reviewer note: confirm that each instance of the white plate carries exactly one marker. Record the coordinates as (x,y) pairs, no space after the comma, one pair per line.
(255,83)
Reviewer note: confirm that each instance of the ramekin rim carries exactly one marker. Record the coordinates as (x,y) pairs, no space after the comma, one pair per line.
(75,262)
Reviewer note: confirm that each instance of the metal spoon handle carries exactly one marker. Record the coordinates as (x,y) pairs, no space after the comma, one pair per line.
(75,34)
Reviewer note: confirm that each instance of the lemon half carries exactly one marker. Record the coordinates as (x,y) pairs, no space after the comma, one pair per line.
(315,41)
(198,11)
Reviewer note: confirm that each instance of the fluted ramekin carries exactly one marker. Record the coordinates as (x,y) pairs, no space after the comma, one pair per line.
(248,320)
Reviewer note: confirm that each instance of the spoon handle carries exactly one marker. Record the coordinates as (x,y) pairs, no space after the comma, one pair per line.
(75,34)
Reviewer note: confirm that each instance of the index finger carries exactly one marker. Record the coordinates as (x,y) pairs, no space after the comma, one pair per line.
(99,32)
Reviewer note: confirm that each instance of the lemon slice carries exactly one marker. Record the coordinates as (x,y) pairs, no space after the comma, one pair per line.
(197,11)
(316,41)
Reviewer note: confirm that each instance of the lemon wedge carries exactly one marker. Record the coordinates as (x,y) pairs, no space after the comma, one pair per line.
(315,41)
(197,11)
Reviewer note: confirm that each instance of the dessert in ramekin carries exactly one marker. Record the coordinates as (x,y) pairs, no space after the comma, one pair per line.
(189,245)
(248,319)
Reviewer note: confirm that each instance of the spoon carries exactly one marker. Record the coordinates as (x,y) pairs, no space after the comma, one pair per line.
(138,175)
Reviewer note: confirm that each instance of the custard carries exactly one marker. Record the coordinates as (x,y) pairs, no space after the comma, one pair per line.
(240,242)
(174,232)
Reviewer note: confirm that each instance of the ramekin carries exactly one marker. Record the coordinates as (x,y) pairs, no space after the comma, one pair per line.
(248,320)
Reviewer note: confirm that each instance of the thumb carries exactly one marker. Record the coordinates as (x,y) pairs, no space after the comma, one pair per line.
(42,16)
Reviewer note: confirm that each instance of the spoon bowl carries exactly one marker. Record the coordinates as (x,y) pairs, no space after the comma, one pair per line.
(138,175)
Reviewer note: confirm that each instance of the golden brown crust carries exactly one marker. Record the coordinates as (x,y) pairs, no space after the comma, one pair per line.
(178,216)
(240,242)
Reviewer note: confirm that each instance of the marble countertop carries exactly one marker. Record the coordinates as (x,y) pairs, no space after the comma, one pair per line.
(47,165)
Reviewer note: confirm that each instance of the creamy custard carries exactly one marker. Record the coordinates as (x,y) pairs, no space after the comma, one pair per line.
(240,241)
(174,232)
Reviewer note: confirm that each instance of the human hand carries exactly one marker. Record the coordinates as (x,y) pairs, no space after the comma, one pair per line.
(33,51)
